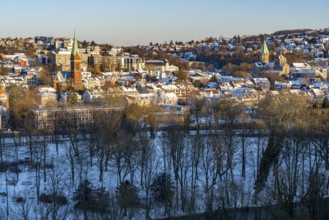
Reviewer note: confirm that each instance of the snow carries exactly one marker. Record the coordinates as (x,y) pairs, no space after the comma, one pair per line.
(242,191)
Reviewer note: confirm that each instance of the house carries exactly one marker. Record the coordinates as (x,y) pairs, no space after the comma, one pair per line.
(281,66)
(209,93)
(44,98)
(92,95)
(299,83)
(32,79)
(282,85)
(169,98)
(225,86)
(85,75)
(320,85)
(93,83)
(156,65)
(318,97)
(46,89)
(23,62)
(147,99)
(262,83)
(212,85)
(199,76)
(297,66)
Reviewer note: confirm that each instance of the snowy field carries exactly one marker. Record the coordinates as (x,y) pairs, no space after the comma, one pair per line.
(209,171)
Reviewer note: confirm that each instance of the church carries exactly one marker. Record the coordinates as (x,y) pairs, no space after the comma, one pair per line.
(279,66)
(72,78)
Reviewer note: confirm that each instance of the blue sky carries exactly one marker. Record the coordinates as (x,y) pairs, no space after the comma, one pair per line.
(132,22)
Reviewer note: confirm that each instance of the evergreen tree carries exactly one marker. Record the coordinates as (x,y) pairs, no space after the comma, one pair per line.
(83,197)
(102,199)
(325,103)
(88,199)
(127,194)
(72,98)
(54,68)
(162,190)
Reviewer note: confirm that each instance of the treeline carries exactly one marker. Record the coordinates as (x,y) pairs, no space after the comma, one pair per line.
(283,32)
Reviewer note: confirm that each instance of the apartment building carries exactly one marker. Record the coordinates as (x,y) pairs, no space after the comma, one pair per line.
(66,118)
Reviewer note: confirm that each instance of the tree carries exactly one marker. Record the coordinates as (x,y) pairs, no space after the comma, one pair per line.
(229,110)
(57,205)
(272,77)
(147,165)
(280,114)
(84,44)
(3,71)
(213,79)
(127,197)
(45,77)
(197,83)
(162,190)
(175,143)
(72,98)
(182,75)
(102,198)
(54,68)
(103,67)
(197,109)
(325,103)
(83,197)
(20,105)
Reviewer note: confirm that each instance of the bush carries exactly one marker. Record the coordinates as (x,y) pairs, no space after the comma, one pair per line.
(58,199)
(45,198)
(61,200)
(20,200)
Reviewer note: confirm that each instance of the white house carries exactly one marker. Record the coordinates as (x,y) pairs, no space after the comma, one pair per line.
(92,95)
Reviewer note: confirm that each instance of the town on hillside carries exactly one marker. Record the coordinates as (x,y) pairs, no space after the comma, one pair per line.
(222,128)
(61,74)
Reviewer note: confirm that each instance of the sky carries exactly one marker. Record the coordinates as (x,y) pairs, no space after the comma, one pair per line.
(139,22)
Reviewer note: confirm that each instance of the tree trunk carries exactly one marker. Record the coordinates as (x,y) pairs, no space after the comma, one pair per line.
(44,163)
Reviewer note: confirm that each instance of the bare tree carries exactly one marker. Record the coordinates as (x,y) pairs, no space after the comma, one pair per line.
(175,142)
(279,113)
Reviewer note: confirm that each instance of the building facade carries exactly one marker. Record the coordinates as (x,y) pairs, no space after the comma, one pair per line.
(63,118)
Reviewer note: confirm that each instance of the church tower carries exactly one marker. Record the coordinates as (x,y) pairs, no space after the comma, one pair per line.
(76,65)
(265,53)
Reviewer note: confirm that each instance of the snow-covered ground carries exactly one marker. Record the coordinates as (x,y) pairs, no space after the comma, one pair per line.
(214,173)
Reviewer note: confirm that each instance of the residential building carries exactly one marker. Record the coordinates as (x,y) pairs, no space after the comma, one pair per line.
(65,118)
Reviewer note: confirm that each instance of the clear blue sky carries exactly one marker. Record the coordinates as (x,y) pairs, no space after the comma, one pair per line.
(132,22)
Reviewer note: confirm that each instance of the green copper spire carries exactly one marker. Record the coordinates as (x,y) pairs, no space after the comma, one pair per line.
(75,45)
(264,49)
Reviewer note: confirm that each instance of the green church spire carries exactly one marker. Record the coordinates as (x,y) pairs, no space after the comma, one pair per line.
(75,45)
(264,49)
(265,52)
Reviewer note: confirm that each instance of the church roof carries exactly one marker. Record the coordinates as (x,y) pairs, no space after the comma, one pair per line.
(59,76)
(75,49)
(264,49)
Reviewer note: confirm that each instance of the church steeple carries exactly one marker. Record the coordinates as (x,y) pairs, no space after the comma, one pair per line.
(265,52)
(75,48)
(76,65)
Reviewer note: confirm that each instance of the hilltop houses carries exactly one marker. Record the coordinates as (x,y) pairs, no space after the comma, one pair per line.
(95,74)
